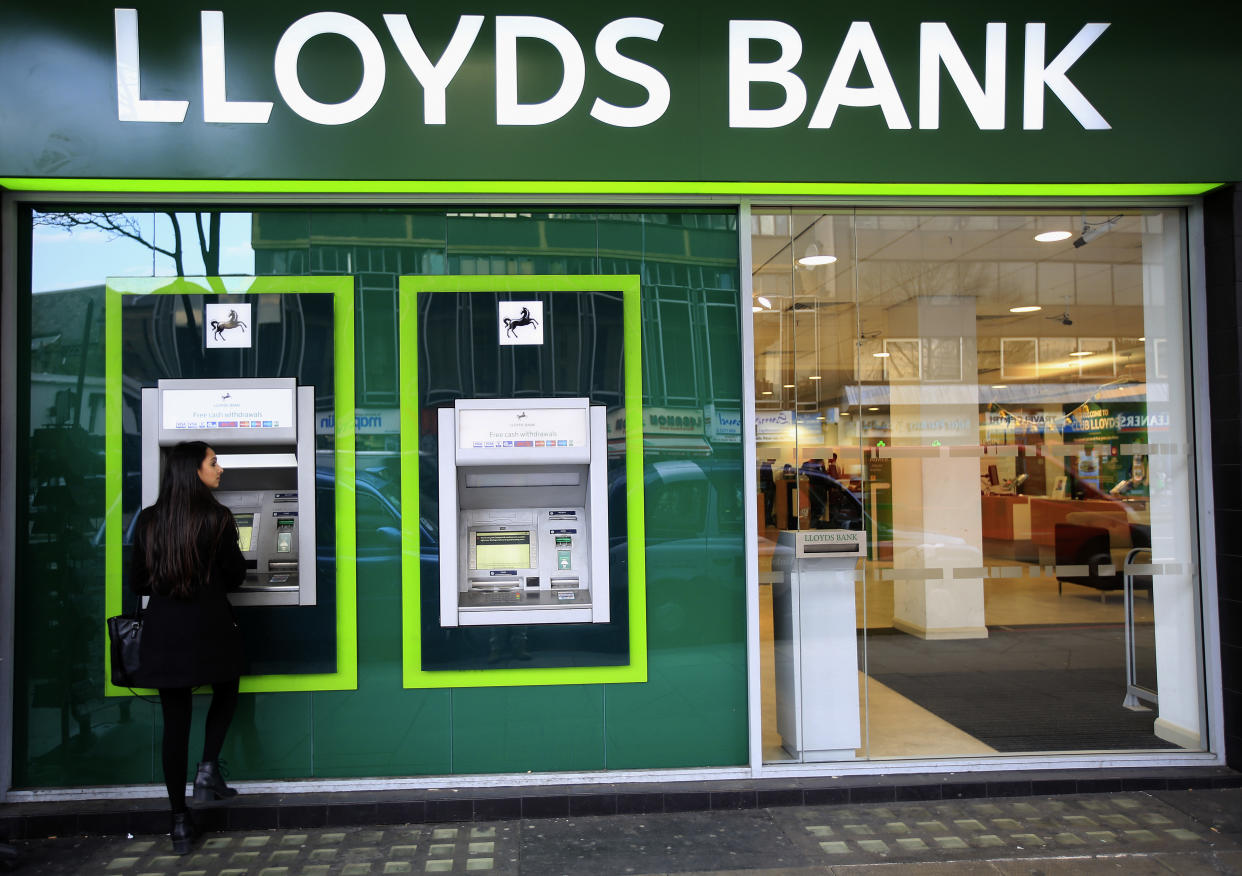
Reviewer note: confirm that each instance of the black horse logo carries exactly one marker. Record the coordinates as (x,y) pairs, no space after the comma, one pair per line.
(219,328)
(524,319)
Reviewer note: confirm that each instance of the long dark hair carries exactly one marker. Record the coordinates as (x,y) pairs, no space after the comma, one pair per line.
(174,525)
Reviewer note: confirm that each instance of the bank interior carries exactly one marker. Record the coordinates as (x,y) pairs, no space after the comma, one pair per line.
(997,411)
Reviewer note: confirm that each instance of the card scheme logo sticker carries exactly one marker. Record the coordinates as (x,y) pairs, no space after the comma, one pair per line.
(227,326)
(520,322)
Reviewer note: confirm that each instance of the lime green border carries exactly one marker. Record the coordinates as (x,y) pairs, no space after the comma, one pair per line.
(342,290)
(413,675)
(605,187)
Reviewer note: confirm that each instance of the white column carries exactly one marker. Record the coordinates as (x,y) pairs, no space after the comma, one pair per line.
(937,519)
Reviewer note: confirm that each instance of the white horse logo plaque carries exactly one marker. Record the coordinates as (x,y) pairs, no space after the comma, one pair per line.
(520,322)
(227,326)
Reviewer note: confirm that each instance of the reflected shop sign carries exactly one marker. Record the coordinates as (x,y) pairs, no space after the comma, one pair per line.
(367,421)
(639,91)
(951,428)
(1100,422)
(723,424)
(786,426)
(660,421)
(774,425)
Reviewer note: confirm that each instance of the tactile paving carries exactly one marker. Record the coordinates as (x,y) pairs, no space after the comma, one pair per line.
(965,830)
(961,834)
(469,848)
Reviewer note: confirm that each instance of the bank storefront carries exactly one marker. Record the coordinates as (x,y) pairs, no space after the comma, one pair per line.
(628,393)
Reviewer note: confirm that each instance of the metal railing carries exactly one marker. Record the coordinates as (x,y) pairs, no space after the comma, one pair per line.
(1134,691)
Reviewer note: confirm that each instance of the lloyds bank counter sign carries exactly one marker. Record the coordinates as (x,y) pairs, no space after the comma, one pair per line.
(642,91)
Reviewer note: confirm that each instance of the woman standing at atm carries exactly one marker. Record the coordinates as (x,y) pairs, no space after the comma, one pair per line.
(186,558)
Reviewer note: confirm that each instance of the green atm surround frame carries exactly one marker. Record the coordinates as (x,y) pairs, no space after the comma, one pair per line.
(342,289)
(413,676)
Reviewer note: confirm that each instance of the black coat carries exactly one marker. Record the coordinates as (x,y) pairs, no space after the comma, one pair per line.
(191,641)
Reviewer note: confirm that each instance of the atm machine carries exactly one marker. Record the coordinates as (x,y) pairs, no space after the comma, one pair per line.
(263,432)
(523,512)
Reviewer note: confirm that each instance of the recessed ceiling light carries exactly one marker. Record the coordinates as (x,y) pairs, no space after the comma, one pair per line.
(819,418)
(814,377)
(883,354)
(1082,353)
(845,413)
(767,392)
(1025,308)
(788,385)
(1142,338)
(1000,385)
(1053,236)
(873,409)
(814,261)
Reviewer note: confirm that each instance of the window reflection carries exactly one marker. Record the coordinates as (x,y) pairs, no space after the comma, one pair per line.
(67,733)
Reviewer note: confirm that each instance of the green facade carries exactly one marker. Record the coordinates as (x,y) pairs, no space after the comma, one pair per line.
(690,712)
(1163,80)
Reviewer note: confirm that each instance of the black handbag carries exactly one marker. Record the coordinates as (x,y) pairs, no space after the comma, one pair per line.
(125,643)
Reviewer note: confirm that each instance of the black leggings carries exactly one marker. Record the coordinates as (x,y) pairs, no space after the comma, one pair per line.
(177,704)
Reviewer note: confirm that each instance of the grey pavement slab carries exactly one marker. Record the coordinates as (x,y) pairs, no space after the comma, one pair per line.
(1220,811)
(1139,833)
(658,843)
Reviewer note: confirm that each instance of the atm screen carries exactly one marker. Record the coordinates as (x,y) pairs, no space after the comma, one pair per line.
(245,530)
(502,550)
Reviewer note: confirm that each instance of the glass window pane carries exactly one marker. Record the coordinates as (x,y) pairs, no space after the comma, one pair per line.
(1023,440)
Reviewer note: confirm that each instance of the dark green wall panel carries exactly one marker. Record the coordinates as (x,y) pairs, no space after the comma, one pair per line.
(691,712)
(531,729)
(270,736)
(381,730)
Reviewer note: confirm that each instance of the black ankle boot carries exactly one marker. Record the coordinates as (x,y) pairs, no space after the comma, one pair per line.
(209,783)
(183,833)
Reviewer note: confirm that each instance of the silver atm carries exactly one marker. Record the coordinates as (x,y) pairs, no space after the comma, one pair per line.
(263,432)
(523,512)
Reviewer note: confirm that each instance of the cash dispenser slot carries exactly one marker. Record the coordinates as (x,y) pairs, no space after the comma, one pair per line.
(263,433)
(523,512)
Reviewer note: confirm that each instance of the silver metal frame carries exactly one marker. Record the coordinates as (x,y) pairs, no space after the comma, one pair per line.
(750,490)
(1197,328)
(1134,690)
(1209,633)
(8,486)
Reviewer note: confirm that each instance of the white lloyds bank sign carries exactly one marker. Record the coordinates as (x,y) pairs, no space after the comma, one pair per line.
(1044,71)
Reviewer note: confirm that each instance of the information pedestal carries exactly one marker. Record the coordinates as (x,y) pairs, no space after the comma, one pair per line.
(816,643)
